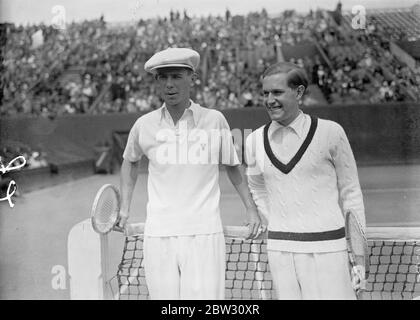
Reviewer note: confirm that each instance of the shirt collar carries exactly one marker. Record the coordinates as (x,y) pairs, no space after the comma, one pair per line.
(192,109)
(297,125)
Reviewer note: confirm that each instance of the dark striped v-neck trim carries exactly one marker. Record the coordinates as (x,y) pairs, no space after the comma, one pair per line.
(286,168)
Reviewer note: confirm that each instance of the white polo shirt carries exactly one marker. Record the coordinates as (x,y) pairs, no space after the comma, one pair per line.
(183,182)
(303,181)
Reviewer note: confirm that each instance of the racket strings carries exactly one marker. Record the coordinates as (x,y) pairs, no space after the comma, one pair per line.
(358,244)
(106,209)
(357,237)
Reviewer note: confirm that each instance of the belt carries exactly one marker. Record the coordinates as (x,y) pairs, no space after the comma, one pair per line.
(307,236)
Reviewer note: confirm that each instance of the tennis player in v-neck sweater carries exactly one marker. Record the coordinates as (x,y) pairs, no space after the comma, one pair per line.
(303,176)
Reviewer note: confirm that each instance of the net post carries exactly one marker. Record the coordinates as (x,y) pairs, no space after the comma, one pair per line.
(88,263)
(105,274)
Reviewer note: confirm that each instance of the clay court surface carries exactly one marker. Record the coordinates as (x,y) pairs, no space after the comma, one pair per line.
(33,234)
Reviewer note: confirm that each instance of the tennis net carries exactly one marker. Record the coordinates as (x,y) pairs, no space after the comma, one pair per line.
(394,266)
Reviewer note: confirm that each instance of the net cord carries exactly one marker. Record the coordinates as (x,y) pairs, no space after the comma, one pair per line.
(373,233)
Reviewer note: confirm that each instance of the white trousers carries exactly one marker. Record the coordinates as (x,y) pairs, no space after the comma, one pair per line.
(311,276)
(185,267)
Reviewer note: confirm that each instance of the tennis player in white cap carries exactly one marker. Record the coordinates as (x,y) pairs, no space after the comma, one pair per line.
(184,246)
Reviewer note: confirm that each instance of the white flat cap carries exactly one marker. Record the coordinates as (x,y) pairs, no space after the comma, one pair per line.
(173,57)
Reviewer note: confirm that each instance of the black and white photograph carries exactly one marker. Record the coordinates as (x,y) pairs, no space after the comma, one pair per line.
(227,152)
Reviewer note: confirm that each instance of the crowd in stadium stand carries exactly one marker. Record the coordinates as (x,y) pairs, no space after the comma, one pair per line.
(40,76)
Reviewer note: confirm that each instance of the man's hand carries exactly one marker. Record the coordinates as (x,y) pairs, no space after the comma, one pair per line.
(358,278)
(253,220)
(255,227)
(121,222)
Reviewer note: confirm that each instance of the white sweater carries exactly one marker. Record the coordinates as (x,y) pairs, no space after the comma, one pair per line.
(313,195)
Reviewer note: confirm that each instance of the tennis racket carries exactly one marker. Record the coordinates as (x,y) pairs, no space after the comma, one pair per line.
(357,248)
(106,209)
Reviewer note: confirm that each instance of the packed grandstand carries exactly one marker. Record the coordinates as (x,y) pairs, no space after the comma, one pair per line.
(94,67)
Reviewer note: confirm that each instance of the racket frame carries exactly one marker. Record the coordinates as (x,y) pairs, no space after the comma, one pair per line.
(351,255)
(114,217)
